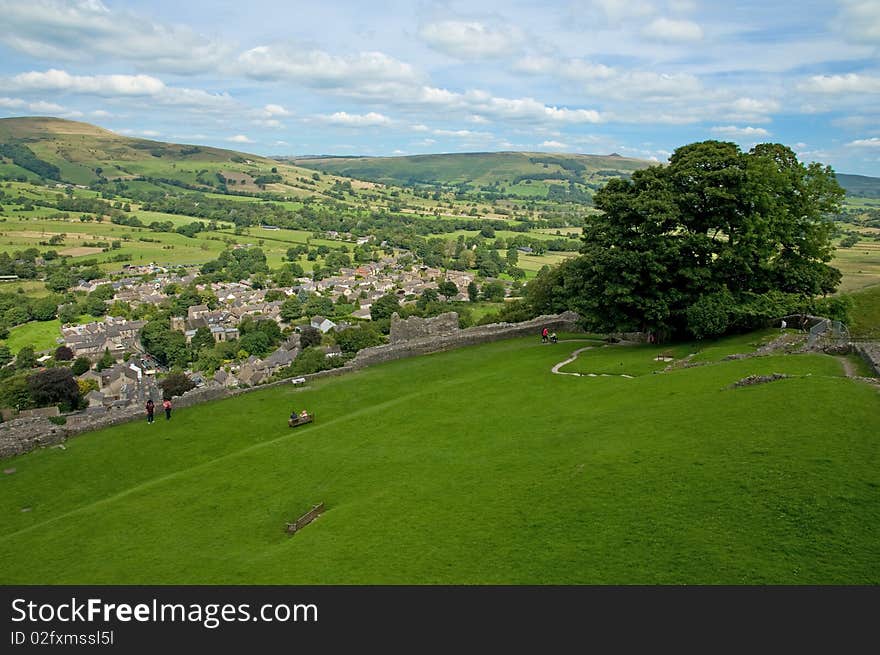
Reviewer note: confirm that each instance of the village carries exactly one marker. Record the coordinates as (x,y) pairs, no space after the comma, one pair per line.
(133,378)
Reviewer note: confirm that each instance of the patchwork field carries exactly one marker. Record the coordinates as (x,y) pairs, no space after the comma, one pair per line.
(474,466)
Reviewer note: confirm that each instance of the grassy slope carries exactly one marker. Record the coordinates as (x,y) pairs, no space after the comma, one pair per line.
(865,314)
(474,168)
(79,148)
(475,466)
(860,185)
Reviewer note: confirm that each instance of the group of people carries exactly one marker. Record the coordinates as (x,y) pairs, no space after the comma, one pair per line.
(294,416)
(151,408)
(546,336)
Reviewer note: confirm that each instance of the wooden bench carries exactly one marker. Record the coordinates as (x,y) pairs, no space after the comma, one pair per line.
(305,519)
(300,420)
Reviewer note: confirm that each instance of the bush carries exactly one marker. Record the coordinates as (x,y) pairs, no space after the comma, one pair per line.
(310,336)
(63,354)
(710,315)
(176,384)
(81,365)
(54,386)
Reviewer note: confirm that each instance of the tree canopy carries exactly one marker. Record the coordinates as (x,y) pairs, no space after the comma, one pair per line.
(715,240)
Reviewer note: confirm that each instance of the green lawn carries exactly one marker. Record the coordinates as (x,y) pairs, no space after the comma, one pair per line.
(473,466)
(865,314)
(41,335)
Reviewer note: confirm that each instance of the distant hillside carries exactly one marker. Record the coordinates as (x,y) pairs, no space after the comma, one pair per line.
(861,186)
(79,153)
(514,173)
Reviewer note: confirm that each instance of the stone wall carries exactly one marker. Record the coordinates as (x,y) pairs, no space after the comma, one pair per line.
(414,328)
(21,435)
(39,412)
(870,352)
(450,339)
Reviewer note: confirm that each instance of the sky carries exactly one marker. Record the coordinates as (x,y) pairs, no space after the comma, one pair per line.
(635,77)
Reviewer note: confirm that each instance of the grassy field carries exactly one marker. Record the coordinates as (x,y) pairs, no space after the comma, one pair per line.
(473,466)
(860,265)
(42,335)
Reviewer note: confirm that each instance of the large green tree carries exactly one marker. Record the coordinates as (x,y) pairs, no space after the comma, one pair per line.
(733,237)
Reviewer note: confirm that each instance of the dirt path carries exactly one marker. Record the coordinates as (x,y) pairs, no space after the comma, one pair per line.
(849,369)
(574,356)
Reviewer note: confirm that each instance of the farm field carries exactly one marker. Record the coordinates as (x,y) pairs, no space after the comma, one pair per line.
(470,467)
(860,265)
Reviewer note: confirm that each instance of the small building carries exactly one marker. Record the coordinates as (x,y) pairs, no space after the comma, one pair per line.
(322,324)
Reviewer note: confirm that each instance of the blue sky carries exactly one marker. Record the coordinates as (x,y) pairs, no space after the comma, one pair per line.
(636,77)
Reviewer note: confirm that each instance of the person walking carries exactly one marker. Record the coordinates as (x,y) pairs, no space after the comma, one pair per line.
(544,334)
(167,406)
(150,409)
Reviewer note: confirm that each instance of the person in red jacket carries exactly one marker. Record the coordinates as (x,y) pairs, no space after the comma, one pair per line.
(544,334)
(167,406)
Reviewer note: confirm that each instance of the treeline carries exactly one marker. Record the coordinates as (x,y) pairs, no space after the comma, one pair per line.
(23,156)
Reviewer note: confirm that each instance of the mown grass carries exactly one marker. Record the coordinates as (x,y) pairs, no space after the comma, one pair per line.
(42,335)
(865,313)
(474,466)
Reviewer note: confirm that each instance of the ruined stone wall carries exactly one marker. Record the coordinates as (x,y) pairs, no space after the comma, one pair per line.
(415,327)
(22,435)
(870,352)
(448,340)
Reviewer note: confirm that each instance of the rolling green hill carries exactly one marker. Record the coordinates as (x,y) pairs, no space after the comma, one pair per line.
(515,173)
(80,153)
(860,186)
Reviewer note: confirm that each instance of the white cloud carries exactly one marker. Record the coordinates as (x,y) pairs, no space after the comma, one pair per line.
(103,85)
(873,142)
(733,130)
(37,107)
(754,106)
(12,103)
(320,69)
(101,113)
(471,39)
(841,84)
(275,110)
(463,134)
(860,20)
(45,107)
(86,30)
(117,86)
(573,69)
(344,119)
(239,138)
(673,31)
(555,145)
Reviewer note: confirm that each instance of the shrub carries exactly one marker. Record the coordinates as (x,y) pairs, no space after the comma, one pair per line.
(176,384)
